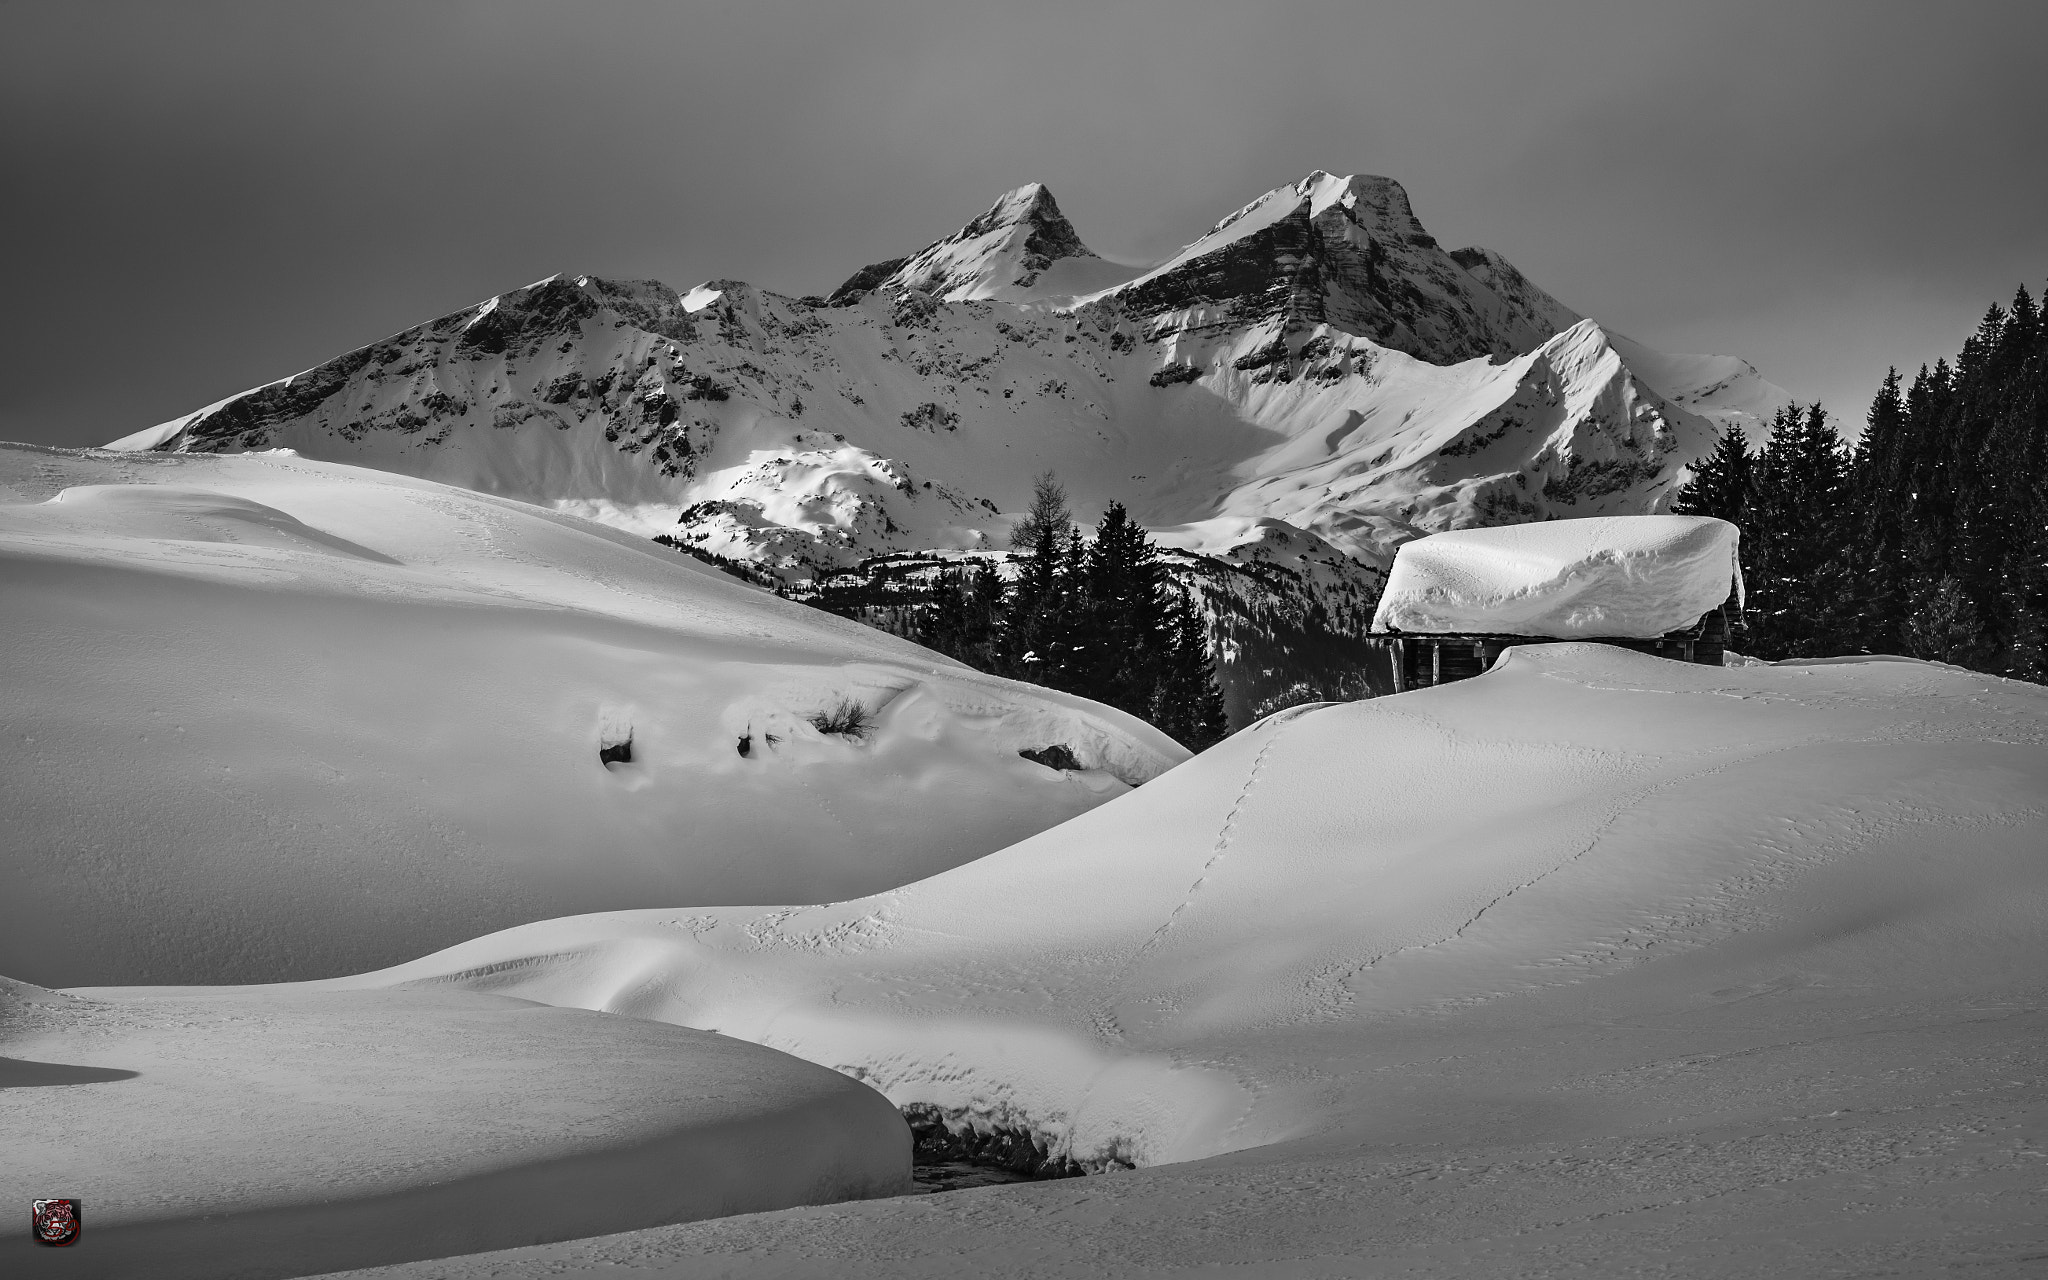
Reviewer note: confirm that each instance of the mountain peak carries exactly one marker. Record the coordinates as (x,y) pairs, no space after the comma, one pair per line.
(1372,198)
(1343,250)
(1031,203)
(1005,254)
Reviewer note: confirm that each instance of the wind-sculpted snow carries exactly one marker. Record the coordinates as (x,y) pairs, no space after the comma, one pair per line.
(1592,959)
(269,718)
(1222,959)
(259,1132)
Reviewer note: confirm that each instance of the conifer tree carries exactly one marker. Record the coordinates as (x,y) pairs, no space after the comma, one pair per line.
(1796,563)
(1722,482)
(1944,628)
(1187,702)
(1048,511)
(1035,609)
(1125,614)
(1880,502)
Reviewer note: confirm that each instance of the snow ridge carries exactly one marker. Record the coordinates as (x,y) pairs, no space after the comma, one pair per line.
(1001,254)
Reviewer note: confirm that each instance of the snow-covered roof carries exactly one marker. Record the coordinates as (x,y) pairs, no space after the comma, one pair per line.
(1622,576)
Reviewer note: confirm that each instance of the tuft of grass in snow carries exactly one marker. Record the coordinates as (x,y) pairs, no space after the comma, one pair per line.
(1058,756)
(846,717)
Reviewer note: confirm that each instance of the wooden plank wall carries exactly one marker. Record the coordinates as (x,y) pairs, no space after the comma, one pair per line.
(1403,662)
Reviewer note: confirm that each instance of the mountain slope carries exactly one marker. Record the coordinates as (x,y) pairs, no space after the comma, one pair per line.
(270,717)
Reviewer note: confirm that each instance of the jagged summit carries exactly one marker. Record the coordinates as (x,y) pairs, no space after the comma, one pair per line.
(1347,251)
(1023,249)
(1374,201)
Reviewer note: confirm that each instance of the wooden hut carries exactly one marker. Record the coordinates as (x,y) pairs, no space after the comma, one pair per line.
(1399,662)
(1455,601)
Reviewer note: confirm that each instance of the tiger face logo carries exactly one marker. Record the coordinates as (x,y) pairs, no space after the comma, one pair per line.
(57,1222)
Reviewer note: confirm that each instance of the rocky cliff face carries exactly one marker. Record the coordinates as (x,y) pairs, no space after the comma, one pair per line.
(1346,252)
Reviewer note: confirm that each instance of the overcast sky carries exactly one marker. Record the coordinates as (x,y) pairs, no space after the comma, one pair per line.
(202,197)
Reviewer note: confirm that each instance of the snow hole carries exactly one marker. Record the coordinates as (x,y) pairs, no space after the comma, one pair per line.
(614,739)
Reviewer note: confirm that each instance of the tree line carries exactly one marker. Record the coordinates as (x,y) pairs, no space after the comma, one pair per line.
(1099,618)
(1928,536)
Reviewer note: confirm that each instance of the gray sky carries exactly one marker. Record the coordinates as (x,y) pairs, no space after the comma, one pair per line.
(201,197)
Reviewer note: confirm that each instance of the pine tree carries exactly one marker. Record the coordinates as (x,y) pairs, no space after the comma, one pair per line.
(1881,513)
(1031,643)
(1187,702)
(1722,482)
(1797,566)
(1048,512)
(1944,628)
(1125,614)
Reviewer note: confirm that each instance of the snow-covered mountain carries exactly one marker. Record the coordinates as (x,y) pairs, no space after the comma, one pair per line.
(1314,372)
(1315,357)
(271,717)
(1022,250)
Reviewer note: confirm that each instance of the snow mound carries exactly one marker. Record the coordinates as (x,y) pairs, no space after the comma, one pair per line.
(277,1131)
(1591,950)
(1210,963)
(1622,576)
(275,718)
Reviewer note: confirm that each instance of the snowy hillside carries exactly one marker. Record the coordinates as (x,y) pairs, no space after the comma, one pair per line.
(269,717)
(1315,359)
(1593,935)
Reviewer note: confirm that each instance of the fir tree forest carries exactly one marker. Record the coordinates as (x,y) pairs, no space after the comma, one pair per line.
(1926,537)
(1099,618)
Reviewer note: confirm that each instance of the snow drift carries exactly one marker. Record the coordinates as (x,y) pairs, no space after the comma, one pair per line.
(237,1133)
(1627,577)
(1205,965)
(271,718)
(1581,959)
